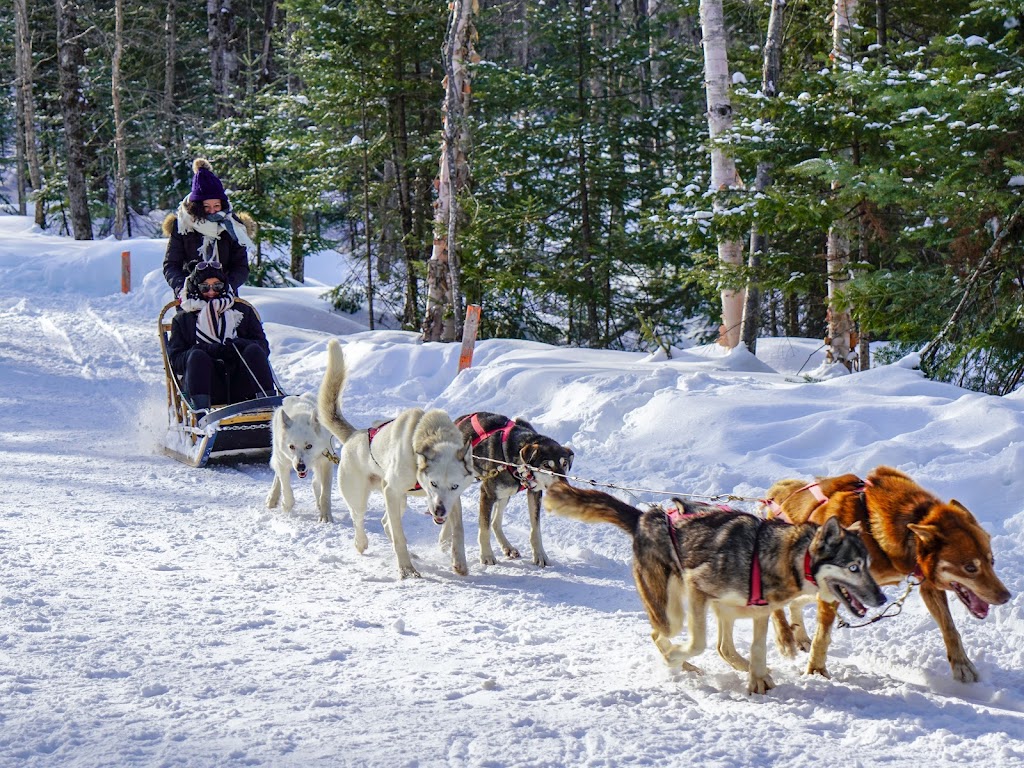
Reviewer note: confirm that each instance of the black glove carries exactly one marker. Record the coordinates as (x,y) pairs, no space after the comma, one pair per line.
(219,351)
(239,344)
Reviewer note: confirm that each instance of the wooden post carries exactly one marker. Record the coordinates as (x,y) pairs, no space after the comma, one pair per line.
(126,271)
(469,335)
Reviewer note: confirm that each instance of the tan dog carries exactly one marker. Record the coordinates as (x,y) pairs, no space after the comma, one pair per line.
(908,532)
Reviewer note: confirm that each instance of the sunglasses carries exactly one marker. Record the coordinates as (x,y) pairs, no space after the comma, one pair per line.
(214,263)
(207,287)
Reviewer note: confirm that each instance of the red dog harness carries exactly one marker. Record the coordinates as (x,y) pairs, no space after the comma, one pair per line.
(505,430)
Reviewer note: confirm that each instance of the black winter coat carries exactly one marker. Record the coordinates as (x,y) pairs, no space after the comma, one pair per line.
(183,249)
(183,336)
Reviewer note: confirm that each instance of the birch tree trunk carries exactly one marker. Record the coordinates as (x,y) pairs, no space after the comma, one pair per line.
(121,167)
(222,31)
(839,341)
(443,318)
(723,167)
(26,110)
(771,74)
(70,60)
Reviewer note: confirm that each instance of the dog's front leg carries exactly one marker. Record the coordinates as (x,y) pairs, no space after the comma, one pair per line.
(287,497)
(938,607)
(394,504)
(497,525)
(322,490)
(796,622)
(759,681)
(458,539)
(275,491)
(822,639)
(785,640)
(533,502)
(487,500)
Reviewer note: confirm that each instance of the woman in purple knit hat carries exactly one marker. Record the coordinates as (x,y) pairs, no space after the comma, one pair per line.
(205,231)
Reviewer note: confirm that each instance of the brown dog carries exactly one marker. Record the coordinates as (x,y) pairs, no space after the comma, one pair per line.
(908,532)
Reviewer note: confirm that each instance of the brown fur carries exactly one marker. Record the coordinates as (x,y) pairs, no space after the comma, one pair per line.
(908,532)
(171,221)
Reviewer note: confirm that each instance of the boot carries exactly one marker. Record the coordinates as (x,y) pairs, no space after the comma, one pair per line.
(200,402)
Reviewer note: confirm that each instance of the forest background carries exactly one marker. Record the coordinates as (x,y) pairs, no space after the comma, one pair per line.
(587,210)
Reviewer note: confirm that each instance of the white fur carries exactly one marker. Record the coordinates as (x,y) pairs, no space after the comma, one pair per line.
(417,447)
(301,443)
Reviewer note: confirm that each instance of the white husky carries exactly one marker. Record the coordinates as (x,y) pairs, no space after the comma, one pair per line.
(300,443)
(417,453)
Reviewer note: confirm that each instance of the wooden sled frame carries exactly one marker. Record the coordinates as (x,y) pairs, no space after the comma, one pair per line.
(234,430)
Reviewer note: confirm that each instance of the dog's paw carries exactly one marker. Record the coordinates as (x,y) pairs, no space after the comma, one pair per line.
(271,502)
(803,642)
(964,670)
(512,553)
(326,517)
(407,570)
(818,669)
(360,542)
(541,560)
(760,684)
(461,568)
(488,558)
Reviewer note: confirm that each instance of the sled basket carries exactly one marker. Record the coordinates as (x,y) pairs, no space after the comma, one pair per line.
(225,431)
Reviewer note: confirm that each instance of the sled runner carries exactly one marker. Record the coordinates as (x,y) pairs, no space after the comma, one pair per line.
(230,430)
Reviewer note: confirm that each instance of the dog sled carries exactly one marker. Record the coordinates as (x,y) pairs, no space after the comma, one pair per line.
(225,431)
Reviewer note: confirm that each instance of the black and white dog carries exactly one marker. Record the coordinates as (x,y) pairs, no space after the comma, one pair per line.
(506,456)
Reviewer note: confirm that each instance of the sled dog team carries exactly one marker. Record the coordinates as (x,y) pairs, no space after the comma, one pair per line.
(831,541)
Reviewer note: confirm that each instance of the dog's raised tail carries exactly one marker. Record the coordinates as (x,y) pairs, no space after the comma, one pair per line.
(591,506)
(329,398)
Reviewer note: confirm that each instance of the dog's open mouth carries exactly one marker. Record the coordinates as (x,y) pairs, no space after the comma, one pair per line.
(853,605)
(302,474)
(977,606)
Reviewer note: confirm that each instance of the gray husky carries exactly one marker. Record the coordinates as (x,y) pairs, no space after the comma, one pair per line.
(416,453)
(744,566)
(522,452)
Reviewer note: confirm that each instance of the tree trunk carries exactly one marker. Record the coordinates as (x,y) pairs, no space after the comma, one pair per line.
(839,341)
(723,167)
(70,61)
(771,74)
(222,32)
(26,113)
(121,168)
(366,215)
(298,250)
(443,318)
(270,19)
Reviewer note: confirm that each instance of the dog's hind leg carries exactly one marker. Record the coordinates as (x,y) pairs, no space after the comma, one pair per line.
(759,681)
(726,647)
(662,594)
(784,638)
(937,604)
(533,503)
(796,622)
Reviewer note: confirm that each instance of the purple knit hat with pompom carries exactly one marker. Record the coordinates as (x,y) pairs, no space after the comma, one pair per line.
(206,186)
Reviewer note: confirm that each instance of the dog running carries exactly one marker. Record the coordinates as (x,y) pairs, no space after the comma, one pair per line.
(418,453)
(697,554)
(528,460)
(299,442)
(908,532)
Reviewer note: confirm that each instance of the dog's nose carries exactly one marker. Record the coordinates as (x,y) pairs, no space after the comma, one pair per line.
(300,467)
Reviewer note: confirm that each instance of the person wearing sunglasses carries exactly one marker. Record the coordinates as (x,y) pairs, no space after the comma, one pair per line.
(217,344)
(205,229)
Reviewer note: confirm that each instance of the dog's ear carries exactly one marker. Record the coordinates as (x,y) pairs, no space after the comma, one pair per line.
(528,453)
(465,455)
(926,534)
(286,419)
(961,507)
(831,533)
(566,460)
(315,421)
(855,527)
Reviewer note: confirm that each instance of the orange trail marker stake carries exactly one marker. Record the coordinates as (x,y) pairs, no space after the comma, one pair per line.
(469,336)
(126,271)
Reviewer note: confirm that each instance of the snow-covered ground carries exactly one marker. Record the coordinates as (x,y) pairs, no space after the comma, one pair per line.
(157,615)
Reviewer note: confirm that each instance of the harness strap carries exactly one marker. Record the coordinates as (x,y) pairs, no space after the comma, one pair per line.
(505,431)
(756,588)
(807,568)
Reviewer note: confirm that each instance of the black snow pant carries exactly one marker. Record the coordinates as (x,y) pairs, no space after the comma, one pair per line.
(227,380)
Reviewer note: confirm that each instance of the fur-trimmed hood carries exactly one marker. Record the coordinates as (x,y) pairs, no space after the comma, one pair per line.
(251,227)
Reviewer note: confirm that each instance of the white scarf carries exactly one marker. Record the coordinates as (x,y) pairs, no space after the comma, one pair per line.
(210,231)
(217,322)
